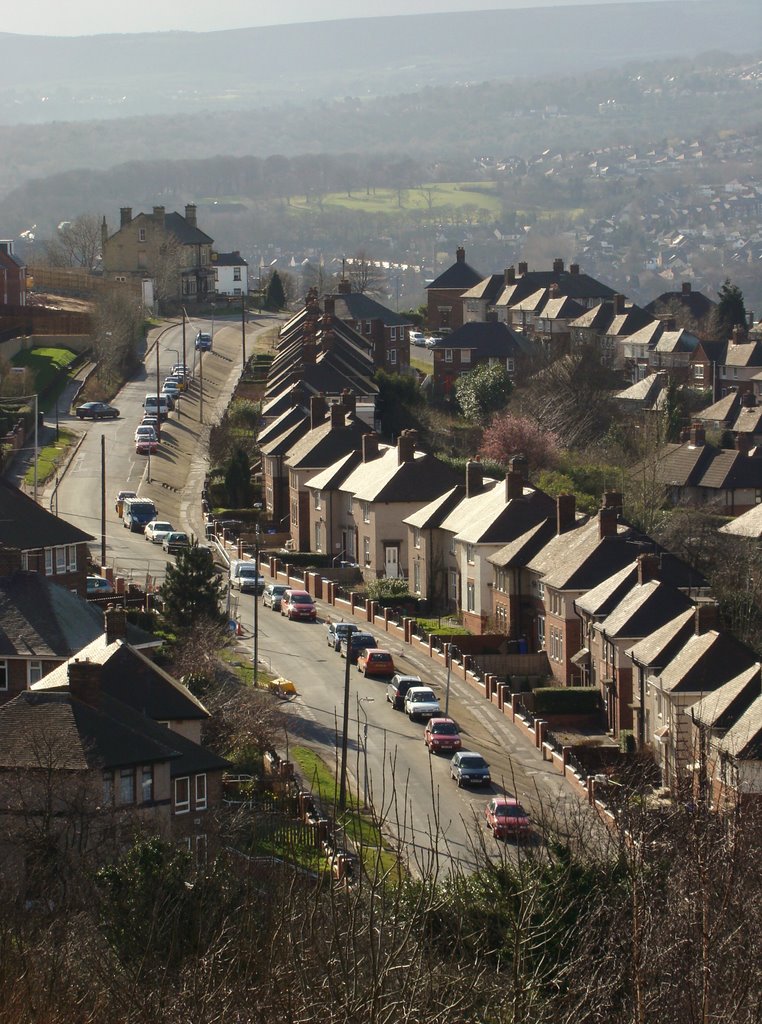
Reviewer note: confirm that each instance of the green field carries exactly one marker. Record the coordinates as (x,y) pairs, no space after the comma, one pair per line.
(435,196)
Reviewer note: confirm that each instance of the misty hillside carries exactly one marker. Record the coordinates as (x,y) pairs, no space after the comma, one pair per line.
(93,77)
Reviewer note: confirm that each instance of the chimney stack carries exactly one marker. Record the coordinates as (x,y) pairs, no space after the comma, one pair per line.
(308,353)
(338,415)
(558,266)
(474,477)
(349,401)
(509,275)
(613,499)
(125,216)
(686,287)
(329,308)
(744,443)
(318,410)
(460,254)
(116,623)
(607,522)
(406,446)
(369,447)
(190,214)
(514,485)
(158,215)
(698,435)
(523,269)
(748,400)
(566,512)
(519,464)
(619,304)
(85,681)
(10,560)
(648,567)
(705,617)
(574,268)
(344,287)
(104,234)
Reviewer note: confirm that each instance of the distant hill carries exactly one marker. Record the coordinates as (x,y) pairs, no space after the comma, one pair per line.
(94,77)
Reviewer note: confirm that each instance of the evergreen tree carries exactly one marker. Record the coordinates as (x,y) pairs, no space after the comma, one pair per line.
(731,311)
(191,591)
(276,295)
(238,479)
(482,392)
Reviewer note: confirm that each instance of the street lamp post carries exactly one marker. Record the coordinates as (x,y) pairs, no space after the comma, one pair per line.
(450,649)
(360,702)
(256,606)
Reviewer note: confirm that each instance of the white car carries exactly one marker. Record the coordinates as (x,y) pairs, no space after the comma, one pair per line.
(158,530)
(421,702)
(146,433)
(417,338)
(432,341)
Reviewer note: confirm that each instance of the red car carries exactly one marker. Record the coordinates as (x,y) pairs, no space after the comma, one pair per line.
(372,661)
(506,817)
(441,734)
(297,604)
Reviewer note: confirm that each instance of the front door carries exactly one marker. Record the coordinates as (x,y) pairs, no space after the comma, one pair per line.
(391,562)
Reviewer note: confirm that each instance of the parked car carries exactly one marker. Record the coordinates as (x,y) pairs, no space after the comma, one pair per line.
(337,631)
(272,595)
(172,388)
(245,577)
(372,661)
(149,420)
(469,769)
(353,643)
(421,702)
(146,445)
(99,586)
(398,687)
(145,433)
(441,734)
(137,513)
(417,338)
(432,341)
(170,397)
(157,530)
(97,411)
(119,503)
(297,604)
(203,342)
(506,817)
(176,378)
(180,368)
(175,542)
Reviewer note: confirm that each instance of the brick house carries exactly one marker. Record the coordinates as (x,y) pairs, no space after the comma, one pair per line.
(472,345)
(444,296)
(43,543)
(695,307)
(537,286)
(160,245)
(387,331)
(43,624)
(13,277)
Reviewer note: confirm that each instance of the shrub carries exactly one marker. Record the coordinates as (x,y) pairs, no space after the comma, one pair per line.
(566,700)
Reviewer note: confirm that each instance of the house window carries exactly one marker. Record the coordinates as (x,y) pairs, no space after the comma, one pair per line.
(318,500)
(541,590)
(236,273)
(509,364)
(146,783)
(201,854)
(393,334)
(393,356)
(465,355)
(71,557)
(416,577)
(61,559)
(127,786)
(453,588)
(48,561)
(182,795)
(470,597)
(201,792)
(452,544)
(366,550)
(540,632)
(367,326)
(318,538)
(470,550)
(141,234)
(33,671)
(416,537)
(448,355)
(3,674)
(26,562)
(365,511)
(107,789)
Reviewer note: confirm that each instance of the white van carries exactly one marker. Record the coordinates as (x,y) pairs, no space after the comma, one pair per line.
(245,577)
(156,405)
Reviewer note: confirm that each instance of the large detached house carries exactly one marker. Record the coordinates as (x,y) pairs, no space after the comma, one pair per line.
(231,274)
(445,300)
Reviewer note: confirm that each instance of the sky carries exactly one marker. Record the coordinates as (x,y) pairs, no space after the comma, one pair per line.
(91,17)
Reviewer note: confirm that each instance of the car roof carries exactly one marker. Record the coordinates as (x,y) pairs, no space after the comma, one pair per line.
(377,650)
(439,721)
(301,593)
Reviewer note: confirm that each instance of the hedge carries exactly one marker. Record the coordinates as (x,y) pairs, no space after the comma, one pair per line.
(566,700)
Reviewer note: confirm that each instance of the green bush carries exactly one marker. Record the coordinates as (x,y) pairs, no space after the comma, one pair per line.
(566,700)
(383,589)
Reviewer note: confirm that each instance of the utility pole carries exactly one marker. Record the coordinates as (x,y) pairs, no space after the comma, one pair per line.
(184,364)
(103,499)
(256,608)
(344,731)
(243,329)
(201,386)
(158,392)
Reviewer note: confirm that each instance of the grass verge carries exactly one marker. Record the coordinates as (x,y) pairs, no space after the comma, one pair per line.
(50,458)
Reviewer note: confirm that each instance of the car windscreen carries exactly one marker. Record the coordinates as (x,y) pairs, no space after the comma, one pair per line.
(445,729)
(301,599)
(473,762)
(424,695)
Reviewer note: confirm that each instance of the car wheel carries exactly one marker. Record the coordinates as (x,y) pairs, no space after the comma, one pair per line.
(460,783)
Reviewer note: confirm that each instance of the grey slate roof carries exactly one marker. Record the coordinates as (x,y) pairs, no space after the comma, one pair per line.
(357,306)
(25,525)
(229,259)
(697,304)
(744,739)
(383,479)
(490,339)
(39,619)
(719,710)
(747,525)
(324,445)
(658,649)
(459,275)
(647,607)
(705,663)
(488,518)
(184,232)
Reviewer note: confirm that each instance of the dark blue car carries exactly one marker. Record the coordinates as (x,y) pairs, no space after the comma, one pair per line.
(354,643)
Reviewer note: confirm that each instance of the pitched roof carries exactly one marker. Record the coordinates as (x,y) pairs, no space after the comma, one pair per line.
(358,306)
(645,608)
(487,289)
(577,286)
(457,276)
(683,464)
(697,304)
(487,339)
(488,517)
(39,619)
(705,663)
(385,479)
(748,353)
(649,392)
(325,444)
(749,421)
(133,679)
(719,710)
(431,515)
(333,477)
(229,259)
(747,525)
(721,411)
(744,739)
(521,550)
(183,231)
(24,524)
(658,649)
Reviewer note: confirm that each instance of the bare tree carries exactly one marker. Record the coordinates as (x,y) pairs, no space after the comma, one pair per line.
(77,243)
(365,276)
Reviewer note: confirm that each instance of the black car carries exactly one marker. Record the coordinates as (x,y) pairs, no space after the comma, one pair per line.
(337,631)
(398,687)
(97,411)
(353,643)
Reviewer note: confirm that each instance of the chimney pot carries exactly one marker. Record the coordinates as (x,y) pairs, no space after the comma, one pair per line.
(619,304)
(509,275)
(613,499)
(344,287)
(648,567)
(460,254)
(686,288)
(523,269)
(190,214)
(698,435)
(158,214)
(349,401)
(566,512)
(406,446)
(329,306)
(474,477)
(125,216)
(607,522)
(338,414)
(369,447)
(744,443)
(519,464)
(318,410)
(115,624)
(514,485)
(706,617)
(558,266)
(85,681)
(574,268)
